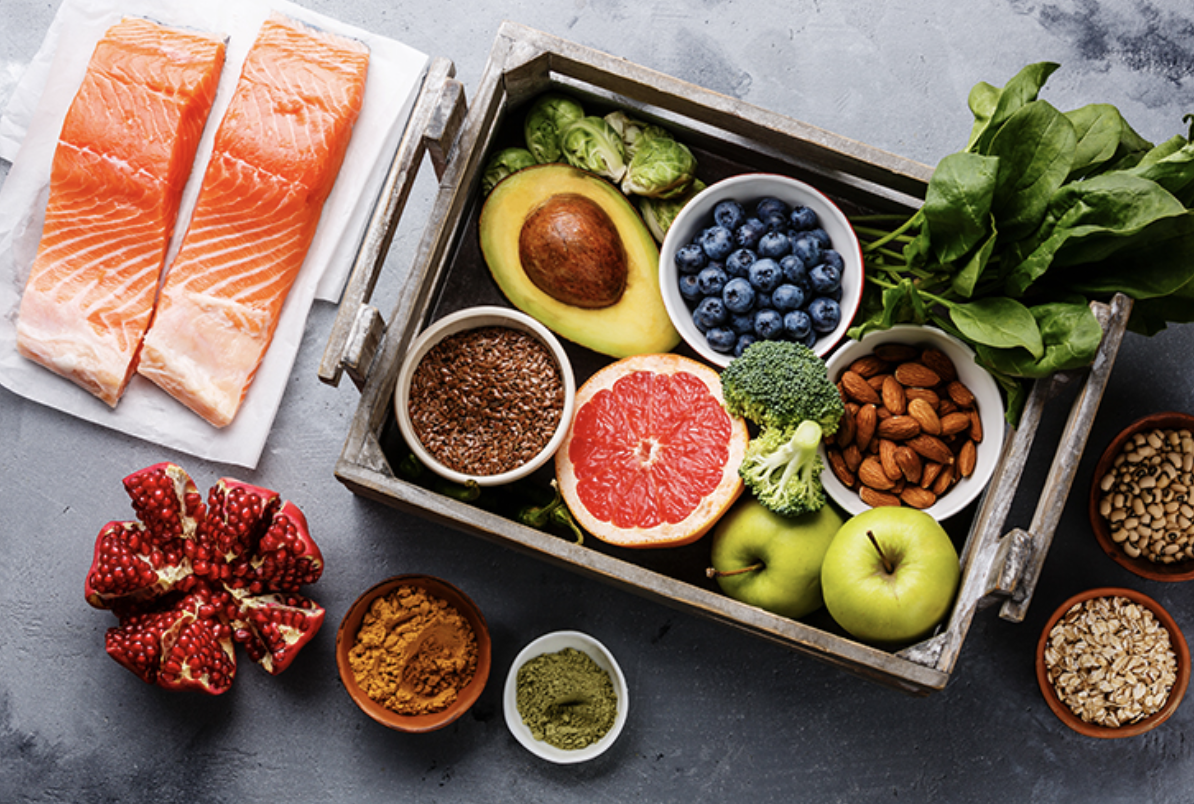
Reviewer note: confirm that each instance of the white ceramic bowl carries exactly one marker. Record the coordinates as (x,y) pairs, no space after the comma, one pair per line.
(747,189)
(472,318)
(553,643)
(976,378)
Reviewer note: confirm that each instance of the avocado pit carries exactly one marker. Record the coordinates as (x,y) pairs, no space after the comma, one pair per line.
(571,250)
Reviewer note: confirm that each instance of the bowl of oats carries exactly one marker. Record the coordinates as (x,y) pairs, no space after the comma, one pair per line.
(1112,662)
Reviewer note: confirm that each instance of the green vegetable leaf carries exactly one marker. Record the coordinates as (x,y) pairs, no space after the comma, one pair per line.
(1000,322)
(1099,127)
(957,206)
(992,108)
(1035,149)
(1070,333)
(967,278)
(550,114)
(1171,165)
(1159,262)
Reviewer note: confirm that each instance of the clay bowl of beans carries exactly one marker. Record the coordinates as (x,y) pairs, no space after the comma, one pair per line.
(1112,662)
(1142,497)
(413,653)
(485,395)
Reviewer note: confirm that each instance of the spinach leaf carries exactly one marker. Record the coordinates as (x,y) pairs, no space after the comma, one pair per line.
(1099,127)
(957,206)
(1158,261)
(1150,316)
(1035,148)
(992,107)
(998,321)
(1171,167)
(1071,335)
(901,304)
(966,279)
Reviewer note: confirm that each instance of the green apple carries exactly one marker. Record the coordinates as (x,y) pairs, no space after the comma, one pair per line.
(773,561)
(890,575)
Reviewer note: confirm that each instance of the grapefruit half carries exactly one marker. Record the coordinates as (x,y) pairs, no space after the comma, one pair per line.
(652,456)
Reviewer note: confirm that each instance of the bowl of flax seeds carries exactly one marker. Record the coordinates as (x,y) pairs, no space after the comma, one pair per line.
(485,395)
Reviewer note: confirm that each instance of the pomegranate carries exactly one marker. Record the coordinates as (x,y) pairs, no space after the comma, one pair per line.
(187,580)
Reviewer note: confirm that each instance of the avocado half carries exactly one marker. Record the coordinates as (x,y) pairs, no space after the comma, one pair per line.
(569,249)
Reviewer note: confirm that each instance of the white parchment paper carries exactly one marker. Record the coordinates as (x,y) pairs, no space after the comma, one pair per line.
(29,131)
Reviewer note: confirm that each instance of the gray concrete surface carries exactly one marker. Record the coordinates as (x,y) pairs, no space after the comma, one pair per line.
(716,715)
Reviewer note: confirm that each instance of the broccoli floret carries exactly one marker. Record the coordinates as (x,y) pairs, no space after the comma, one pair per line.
(781,384)
(783,469)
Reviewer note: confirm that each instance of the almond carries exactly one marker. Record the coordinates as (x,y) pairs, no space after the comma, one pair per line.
(931,447)
(864,426)
(898,428)
(954,423)
(976,427)
(870,473)
(868,366)
(960,394)
(925,416)
(876,381)
(853,457)
(916,374)
(845,431)
(893,397)
(837,464)
(967,458)
(943,481)
(946,406)
(895,352)
(877,499)
(857,388)
(887,459)
(909,463)
(928,475)
(916,497)
(940,363)
(927,394)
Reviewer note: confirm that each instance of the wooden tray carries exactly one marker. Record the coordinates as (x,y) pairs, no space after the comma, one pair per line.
(728,137)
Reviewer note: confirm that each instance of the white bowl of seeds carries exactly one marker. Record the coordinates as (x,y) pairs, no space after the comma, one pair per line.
(485,395)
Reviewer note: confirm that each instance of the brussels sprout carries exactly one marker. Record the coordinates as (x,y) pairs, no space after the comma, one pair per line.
(661,168)
(548,116)
(502,164)
(658,213)
(593,145)
(633,131)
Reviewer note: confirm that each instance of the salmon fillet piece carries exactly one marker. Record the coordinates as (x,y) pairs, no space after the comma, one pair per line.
(116,181)
(274,161)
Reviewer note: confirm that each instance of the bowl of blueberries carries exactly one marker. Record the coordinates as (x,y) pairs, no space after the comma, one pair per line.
(760,256)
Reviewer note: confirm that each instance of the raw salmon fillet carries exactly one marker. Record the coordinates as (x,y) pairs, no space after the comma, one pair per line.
(116,181)
(274,161)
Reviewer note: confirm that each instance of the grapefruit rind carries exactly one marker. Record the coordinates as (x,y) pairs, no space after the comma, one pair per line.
(590,460)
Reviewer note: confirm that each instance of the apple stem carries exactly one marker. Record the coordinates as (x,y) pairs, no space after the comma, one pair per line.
(887,566)
(713,572)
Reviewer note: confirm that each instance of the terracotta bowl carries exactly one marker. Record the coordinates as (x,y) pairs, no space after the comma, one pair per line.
(1177,641)
(351,623)
(1145,568)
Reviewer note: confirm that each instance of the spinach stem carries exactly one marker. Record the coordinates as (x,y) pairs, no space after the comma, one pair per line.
(895,233)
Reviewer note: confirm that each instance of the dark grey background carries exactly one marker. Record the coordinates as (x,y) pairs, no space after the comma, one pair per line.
(716,715)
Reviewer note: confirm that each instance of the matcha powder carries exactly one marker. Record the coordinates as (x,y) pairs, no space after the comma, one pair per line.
(566,699)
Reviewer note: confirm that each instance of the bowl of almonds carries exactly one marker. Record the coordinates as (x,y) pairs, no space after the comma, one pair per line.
(1142,497)
(923,425)
(1112,662)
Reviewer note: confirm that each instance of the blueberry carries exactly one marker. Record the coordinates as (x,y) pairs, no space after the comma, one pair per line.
(774,244)
(738,295)
(711,280)
(794,271)
(765,275)
(831,257)
(769,324)
(807,249)
(729,213)
(721,339)
(743,323)
(824,279)
(717,242)
(825,314)
(772,211)
(689,288)
(797,325)
(763,301)
(739,261)
(787,297)
(690,258)
(747,235)
(821,236)
(710,313)
(809,339)
(802,218)
(744,341)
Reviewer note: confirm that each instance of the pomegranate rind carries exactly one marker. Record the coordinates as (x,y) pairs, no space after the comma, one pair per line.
(651,458)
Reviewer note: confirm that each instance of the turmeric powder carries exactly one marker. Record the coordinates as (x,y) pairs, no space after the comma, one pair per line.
(414,652)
